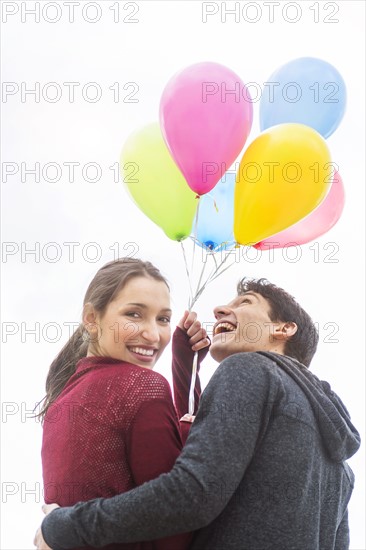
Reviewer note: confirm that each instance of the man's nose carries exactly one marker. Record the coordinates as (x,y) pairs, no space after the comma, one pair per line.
(221,311)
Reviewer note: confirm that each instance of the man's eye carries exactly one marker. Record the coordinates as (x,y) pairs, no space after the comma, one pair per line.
(246,301)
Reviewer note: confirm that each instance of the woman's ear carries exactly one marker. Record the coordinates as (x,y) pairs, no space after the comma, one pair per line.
(285,331)
(90,318)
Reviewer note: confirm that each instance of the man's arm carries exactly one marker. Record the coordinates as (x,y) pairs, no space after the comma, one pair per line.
(233,414)
(342,537)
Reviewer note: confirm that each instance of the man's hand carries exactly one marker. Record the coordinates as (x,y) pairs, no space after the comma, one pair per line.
(38,539)
(47,508)
(198,335)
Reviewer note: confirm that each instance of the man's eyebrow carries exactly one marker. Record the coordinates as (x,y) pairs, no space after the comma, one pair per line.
(144,306)
(247,294)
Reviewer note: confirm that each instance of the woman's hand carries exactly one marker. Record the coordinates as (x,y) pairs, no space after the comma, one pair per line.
(39,541)
(198,335)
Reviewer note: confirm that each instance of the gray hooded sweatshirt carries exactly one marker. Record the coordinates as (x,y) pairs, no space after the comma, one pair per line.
(263,469)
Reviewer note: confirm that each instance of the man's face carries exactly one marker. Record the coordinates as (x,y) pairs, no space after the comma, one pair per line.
(245,325)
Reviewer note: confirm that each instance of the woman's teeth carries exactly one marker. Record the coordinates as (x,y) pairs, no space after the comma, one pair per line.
(143,351)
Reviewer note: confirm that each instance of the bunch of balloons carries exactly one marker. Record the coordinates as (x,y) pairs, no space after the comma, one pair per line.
(285,190)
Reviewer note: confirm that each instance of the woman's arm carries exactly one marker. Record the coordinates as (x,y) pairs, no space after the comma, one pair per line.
(188,337)
(153,445)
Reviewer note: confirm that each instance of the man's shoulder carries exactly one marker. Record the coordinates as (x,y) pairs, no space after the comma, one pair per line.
(248,360)
(245,367)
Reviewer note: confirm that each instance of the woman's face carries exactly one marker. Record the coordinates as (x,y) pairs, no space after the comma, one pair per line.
(136,326)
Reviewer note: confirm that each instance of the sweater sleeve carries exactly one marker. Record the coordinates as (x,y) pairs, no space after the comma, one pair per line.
(233,414)
(182,361)
(153,447)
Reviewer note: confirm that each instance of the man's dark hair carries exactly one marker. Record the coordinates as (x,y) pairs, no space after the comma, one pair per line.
(283,307)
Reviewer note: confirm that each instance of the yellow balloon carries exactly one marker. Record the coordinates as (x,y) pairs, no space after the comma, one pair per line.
(155,183)
(284,174)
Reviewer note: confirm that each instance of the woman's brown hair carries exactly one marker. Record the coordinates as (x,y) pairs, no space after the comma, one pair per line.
(102,290)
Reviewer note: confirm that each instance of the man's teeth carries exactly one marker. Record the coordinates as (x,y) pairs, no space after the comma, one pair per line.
(143,351)
(224,327)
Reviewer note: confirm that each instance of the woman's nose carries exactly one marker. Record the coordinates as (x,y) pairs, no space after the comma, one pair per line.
(150,332)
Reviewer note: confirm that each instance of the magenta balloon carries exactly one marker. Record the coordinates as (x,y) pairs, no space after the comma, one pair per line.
(318,222)
(206,114)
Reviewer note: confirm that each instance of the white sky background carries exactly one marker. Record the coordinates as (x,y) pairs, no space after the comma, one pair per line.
(328,282)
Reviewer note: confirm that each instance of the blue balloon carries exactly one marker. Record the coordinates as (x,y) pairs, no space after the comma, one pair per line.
(214,229)
(307,91)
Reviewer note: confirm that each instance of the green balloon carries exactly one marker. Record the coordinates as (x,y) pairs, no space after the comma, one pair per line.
(156,184)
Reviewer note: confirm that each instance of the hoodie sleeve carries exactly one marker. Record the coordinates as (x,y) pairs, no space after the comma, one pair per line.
(233,415)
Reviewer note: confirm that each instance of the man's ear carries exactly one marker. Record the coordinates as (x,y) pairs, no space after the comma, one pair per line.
(284,331)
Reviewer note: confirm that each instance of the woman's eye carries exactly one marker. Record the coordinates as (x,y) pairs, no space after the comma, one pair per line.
(133,314)
(165,319)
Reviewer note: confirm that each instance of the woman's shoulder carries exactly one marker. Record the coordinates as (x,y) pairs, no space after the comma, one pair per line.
(149,383)
(136,379)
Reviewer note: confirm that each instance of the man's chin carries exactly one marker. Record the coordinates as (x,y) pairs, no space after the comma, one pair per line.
(219,352)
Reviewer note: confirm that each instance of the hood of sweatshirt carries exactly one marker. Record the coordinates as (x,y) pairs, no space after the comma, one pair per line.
(340,437)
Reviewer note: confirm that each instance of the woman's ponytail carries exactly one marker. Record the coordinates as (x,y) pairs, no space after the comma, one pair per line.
(64,366)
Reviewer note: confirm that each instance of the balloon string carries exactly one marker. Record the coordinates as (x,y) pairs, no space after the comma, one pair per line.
(201,275)
(209,251)
(193,383)
(214,200)
(191,402)
(200,289)
(217,273)
(213,275)
(195,232)
(188,276)
(192,301)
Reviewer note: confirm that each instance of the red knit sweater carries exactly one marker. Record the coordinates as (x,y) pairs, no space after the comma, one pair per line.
(113,427)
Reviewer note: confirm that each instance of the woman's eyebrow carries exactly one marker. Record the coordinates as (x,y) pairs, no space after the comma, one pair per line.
(145,306)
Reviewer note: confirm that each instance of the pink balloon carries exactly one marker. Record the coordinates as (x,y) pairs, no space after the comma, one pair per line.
(206,114)
(318,222)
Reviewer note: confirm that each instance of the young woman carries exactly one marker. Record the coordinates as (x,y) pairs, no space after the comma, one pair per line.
(109,421)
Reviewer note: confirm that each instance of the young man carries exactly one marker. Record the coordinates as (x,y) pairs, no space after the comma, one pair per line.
(264,464)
